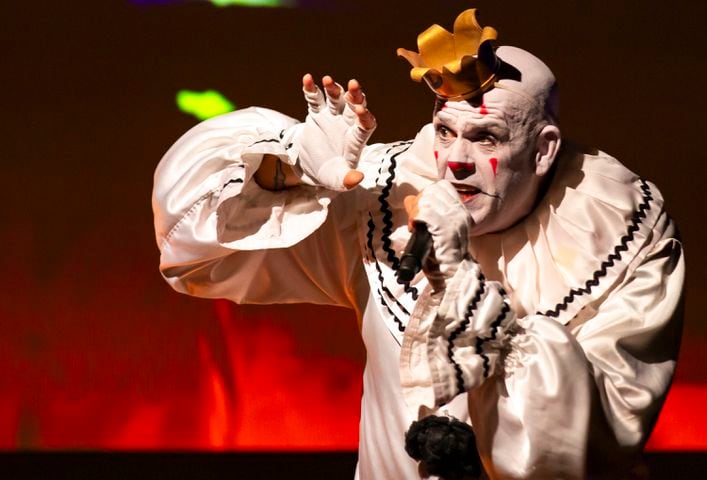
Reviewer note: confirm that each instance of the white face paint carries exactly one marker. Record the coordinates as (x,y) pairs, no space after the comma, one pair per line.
(487,151)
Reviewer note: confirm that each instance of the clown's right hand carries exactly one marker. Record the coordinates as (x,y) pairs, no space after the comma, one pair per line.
(329,143)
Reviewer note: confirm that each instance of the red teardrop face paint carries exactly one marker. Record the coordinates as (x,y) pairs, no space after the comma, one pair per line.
(436,155)
(494,165)
(483,110)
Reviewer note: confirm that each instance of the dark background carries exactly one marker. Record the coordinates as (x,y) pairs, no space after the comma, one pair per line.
(97,352)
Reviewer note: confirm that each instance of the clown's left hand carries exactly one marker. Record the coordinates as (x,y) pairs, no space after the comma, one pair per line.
(449,223)
(329,143)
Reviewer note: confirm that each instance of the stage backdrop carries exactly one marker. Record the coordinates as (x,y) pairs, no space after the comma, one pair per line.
(98,352)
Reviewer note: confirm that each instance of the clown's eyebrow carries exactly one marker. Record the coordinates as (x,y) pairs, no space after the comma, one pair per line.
(491,125)
(487,119)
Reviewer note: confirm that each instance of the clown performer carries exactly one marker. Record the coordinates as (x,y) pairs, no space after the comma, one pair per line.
(539,339)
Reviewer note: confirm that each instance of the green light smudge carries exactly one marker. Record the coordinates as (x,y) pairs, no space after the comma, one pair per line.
(203,105)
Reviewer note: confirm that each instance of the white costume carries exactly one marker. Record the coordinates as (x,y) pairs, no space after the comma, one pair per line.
(566,342)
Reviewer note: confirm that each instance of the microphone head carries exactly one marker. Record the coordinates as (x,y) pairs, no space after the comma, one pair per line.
(415,253)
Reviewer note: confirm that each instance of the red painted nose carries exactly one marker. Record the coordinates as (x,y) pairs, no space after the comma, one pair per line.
(461,170)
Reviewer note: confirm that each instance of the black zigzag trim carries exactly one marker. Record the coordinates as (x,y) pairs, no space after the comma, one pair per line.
(636,220)
(497,323)
(494,331)
(235,180)
(385,209)
(265,140)
(388,213)
(462,326)
(282,135)
(387,151)
(401,326)
(411,290)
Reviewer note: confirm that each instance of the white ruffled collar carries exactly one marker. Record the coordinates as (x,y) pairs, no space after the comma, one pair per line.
(585,234)
(580,239)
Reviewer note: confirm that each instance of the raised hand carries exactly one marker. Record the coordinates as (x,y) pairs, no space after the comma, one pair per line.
(330,143)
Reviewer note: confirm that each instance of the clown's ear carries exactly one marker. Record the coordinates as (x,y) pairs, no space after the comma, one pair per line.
(548,145)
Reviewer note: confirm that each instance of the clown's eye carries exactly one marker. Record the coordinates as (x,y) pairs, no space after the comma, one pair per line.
(486,139)
(444,133)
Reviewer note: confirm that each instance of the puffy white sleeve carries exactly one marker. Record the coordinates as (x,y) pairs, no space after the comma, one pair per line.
(584,400)
(221,236)
(554,401)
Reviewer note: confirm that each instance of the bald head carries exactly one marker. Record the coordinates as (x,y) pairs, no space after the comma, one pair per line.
(527,76)
(497,148)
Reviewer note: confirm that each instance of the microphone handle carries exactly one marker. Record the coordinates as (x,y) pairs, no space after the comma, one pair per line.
(415,253)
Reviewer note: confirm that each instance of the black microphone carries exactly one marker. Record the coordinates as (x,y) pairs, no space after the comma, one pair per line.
(415,253)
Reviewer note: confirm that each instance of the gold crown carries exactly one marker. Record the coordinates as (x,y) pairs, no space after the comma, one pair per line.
(459,65)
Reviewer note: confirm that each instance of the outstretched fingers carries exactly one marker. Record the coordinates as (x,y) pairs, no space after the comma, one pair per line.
(338,127)
(335,99)
(357,111)
(361,123)
(366,120)
(355,93)
(312,94)
(308,83)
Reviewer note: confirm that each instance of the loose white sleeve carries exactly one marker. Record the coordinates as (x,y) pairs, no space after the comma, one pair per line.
(221,236)
(579,401)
